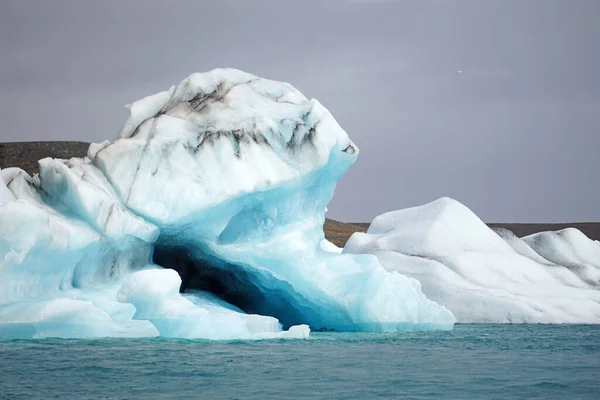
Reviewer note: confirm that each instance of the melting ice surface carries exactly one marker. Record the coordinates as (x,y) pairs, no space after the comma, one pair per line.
(203,220)
(487,276)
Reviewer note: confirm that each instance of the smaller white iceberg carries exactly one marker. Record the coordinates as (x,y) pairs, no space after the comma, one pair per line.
(486,276)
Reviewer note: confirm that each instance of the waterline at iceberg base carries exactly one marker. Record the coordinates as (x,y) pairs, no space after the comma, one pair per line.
(205,220)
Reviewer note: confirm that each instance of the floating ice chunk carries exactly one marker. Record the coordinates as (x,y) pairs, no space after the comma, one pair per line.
(465,266)
(224,179)
(246,167)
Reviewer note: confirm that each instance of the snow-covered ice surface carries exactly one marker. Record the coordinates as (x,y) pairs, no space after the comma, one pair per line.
(487,276)
(216,188)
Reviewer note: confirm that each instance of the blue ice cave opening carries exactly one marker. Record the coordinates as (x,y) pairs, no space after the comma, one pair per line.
(249,289)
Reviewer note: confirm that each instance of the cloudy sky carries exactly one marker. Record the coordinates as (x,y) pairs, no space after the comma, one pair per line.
(493,102)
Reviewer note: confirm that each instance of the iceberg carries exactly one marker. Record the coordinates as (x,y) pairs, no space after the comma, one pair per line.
(486,276)
(204,219)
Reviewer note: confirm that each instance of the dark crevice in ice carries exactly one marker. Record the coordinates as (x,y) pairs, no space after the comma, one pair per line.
(235,284)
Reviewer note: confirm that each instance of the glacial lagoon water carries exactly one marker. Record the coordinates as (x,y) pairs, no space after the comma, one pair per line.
(472,361)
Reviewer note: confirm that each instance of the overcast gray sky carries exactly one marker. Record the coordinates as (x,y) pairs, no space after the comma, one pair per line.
(515,136)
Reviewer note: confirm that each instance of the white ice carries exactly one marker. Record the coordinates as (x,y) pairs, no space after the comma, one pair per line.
(484,276)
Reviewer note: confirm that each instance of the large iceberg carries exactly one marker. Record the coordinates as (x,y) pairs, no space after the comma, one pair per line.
(203,220)
(486,276)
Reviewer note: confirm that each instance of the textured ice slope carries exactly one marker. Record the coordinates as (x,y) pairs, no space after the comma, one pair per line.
(482,276)
(572,249)
(223,178)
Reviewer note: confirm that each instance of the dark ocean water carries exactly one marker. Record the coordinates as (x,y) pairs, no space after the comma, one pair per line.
(472,361)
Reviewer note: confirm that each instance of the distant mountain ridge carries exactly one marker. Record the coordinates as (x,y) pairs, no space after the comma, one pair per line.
(25,155)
